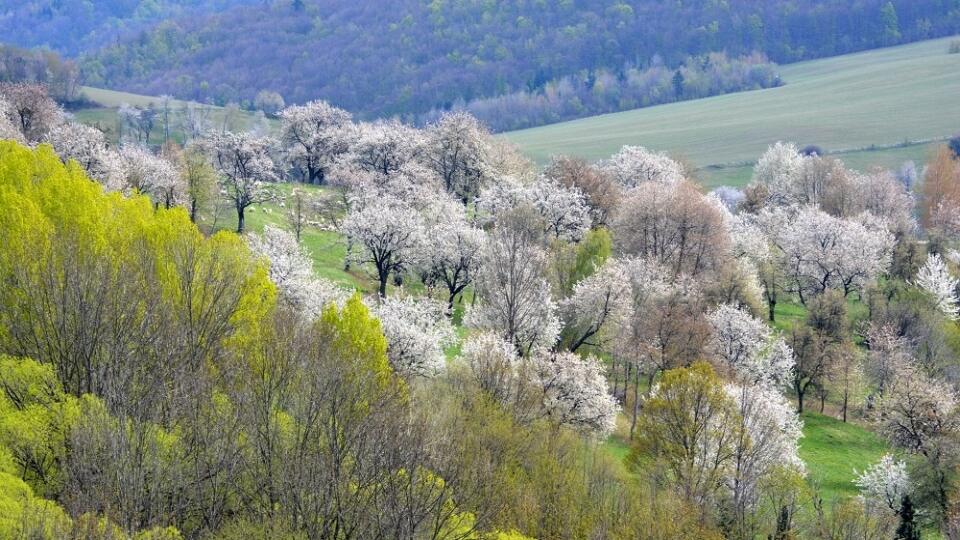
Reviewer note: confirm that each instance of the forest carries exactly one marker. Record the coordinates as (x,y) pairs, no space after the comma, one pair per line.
(494,351)
(417,57)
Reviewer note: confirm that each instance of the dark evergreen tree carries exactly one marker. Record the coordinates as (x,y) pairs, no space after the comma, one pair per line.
(678,84)
(908,529)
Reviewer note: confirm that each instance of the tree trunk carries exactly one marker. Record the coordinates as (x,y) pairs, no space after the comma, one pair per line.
(799,399)
(636,401)
(771,309)
(383,275)
(240,219)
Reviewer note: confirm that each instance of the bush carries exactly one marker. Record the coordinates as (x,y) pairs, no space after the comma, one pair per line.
(812,150)
(954,47)
(954,145)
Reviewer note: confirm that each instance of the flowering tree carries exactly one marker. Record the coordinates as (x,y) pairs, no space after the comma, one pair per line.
(745,346)
(514,297)
(153,176)
(87,146)
(291,269)
(495,365)
(315,136)
(246,168)
(599,301)
(767,439)
(919,414)
(778,169)
(635,165)
(674,224)
(575,392)
(917,409)
(564,209)
(457,149)
(884,484)
(884,196)
(383,147)
(601,191)
(30,110)
(7,129)
(452,255)
(387,232)
(646,345)
(417,332)
(935,279)
(824,252)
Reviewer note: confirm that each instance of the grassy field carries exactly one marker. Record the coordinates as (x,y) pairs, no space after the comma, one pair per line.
(860,104)
(104,115)
(832,450)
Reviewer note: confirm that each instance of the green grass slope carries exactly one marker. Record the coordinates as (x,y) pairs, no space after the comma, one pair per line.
(863,105)
(832,450)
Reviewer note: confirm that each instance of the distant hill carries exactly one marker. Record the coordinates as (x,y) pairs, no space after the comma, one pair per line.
(406,57)
(876,108)
(73,26)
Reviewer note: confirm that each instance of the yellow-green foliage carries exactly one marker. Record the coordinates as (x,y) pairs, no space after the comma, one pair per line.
(67,246)
(35,416)
(354,333)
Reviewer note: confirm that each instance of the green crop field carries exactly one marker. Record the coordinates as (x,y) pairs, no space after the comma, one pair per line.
(864,106)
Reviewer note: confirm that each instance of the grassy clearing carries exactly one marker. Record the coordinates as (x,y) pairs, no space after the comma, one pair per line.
(833,449)
(881,98)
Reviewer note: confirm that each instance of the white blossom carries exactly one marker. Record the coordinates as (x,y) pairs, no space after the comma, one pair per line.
(746,346)
(884,484)
(417,331)
(291,269)
(770,433)
(458,149)
(822,251)
(779,168)
(494,364)
(575,392)
(383,147)
(601,300)
(7,129)
(452,254)
(916,409)
(316,135)
(246,167)
(385,233)
(934,278)
(634,165)
(564,209)
(152,175)
(88,147)
(513,296)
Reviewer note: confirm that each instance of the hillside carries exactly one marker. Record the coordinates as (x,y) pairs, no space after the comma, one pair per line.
(878,99)
(418,56)
(70,27)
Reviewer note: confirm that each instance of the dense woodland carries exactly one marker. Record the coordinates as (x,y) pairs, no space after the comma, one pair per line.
(70,27)
(163,379)
(410,57)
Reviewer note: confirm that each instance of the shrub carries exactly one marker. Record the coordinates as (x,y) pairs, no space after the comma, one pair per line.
(954,145)
(954,47)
